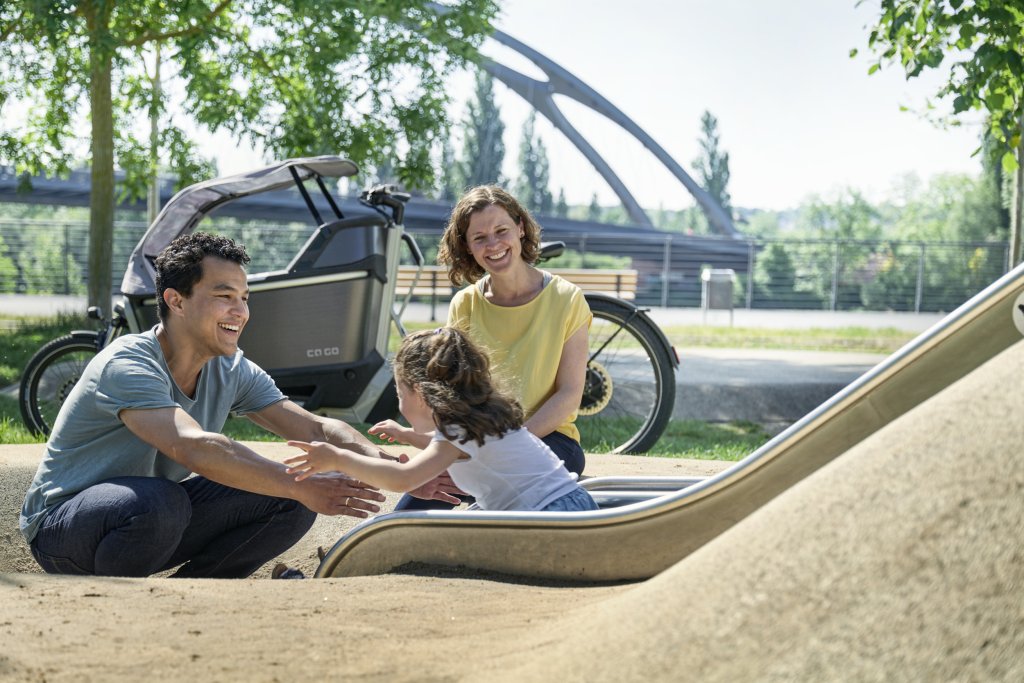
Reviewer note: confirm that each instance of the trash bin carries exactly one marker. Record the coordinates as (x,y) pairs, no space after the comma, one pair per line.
(716,290)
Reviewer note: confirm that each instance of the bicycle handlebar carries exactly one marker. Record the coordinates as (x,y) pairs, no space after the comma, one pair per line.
(387,195)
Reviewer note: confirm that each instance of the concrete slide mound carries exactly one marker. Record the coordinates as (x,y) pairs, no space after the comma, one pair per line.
(901,560)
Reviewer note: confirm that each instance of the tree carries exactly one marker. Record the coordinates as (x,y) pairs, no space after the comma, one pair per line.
(561,206)
(712,166)
(980,42)
(775,282)
(594,210)
(448,186)
(8,271)
(385,173)
(847,224)
(483,150)
(531,186)
(296,78)
(996,181)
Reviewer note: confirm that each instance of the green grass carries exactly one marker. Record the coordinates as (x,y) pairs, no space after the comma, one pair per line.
(22,337)
(684,439)
(12,430)
(851,339)
(241,429)
(709,440)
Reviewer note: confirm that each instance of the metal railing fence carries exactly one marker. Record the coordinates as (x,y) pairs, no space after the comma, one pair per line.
(50,257)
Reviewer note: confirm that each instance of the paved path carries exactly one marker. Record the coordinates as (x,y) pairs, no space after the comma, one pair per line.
(40,305)
(768,386)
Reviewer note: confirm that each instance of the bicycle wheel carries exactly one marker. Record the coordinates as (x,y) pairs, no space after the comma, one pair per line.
(630,389)
(49,377)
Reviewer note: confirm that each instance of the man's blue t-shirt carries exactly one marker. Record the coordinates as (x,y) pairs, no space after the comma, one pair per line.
(90,444)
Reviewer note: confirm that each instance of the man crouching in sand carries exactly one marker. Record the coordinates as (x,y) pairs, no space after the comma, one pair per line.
(113,495)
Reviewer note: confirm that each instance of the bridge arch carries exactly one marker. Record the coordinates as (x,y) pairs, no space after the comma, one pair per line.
(540,95)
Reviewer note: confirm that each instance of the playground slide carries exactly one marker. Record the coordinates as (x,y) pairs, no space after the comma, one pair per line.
(639,539)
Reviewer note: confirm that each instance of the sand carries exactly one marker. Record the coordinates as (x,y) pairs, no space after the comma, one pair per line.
(901,560)
(106,629)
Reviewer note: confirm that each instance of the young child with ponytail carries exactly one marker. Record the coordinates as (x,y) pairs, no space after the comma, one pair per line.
(445,387)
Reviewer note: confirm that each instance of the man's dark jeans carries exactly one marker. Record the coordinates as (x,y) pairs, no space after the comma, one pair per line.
(137,526)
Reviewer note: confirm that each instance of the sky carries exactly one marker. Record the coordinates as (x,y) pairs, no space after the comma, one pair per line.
(796,114)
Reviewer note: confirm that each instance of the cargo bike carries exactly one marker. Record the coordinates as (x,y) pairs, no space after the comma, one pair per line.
(320,326)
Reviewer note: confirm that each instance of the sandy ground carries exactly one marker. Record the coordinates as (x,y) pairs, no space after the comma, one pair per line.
(369,628)
(901,560)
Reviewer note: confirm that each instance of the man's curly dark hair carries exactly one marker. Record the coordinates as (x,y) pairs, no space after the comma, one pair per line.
(180,265)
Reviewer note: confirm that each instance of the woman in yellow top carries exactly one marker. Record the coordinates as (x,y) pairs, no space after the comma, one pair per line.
(532,324)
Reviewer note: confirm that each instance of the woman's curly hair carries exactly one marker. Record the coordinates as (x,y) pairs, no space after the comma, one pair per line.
(453,376)
(454,251)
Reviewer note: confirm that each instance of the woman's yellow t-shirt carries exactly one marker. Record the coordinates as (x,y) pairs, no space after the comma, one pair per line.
(524,343)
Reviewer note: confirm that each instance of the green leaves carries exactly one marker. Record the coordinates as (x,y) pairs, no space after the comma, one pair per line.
(995,101)
(362,78)
(1009,162)
(923,35)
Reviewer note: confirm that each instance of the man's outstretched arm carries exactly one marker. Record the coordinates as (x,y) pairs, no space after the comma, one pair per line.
(218,458)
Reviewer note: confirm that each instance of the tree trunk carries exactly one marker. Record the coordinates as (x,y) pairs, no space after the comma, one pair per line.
(101,196)
(1017,226)
(153,199)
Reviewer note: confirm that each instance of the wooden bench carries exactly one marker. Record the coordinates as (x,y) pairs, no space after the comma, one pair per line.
(619,283)
(434,281)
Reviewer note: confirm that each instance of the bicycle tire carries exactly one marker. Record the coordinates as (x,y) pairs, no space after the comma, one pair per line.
(50,375)
(630,390)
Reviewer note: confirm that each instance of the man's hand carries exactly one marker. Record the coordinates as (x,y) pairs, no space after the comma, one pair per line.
(440,487)
(335,494)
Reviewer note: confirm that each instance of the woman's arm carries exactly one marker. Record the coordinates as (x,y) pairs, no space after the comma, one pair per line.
(569,381)
(386,474)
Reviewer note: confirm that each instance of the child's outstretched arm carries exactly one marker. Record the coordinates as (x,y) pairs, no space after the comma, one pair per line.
(391,431)
(385,474)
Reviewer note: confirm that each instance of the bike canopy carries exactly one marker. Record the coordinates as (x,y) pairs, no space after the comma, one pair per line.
(185,209)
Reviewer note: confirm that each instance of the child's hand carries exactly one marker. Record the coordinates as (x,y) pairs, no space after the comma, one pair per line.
(390,431)
(317,458)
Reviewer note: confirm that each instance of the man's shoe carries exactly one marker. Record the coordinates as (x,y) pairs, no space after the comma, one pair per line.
(283,571)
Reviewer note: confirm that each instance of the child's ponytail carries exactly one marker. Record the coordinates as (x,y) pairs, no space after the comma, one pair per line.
(453,377)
